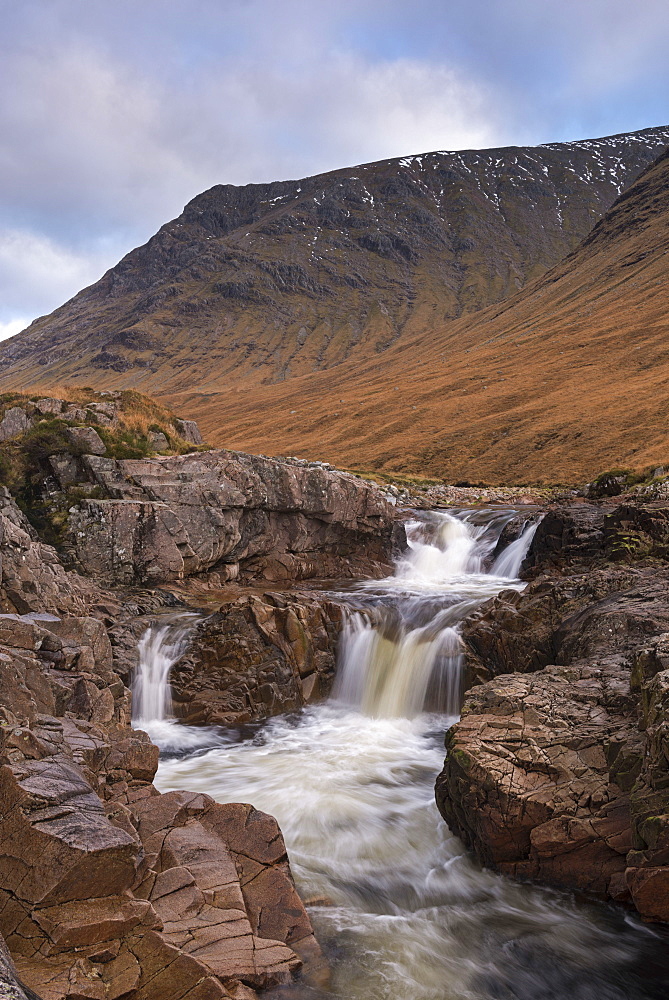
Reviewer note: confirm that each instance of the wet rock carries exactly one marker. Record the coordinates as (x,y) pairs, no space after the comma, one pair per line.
(86,440)
(257,657)
(558,770)
(14,422)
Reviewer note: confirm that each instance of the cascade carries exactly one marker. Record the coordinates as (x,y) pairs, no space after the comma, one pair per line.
(159,649)
(400,907)
(405,657)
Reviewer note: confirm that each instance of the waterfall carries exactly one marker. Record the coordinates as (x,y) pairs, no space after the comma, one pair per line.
(395,900)
(404,657)
(159,649)
(509,561)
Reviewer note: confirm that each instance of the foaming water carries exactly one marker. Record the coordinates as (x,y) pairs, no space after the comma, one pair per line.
(400,908)
(159,649)
(403,912)
(404,655)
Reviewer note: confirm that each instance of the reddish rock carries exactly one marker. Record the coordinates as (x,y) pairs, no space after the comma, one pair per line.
(258,656)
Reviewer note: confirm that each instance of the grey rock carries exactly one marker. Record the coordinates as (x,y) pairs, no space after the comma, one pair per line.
(87,439)
(172,517)
(15,421)
(189,431)
(49,406)
(67,469)
(158,441)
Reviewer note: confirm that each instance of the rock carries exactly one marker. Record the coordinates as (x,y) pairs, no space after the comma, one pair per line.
(104,881)
(173,517)
(86,440)
(57,666)
(158,441)
(74,413)
(257,657)
(559,768)
(189,431)
(67,469)
(527,781)
(32,577)
(14,422)
(10,986)
(49,406)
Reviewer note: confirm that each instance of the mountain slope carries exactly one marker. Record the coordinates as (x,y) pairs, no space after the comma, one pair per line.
(262,283)
(565,379)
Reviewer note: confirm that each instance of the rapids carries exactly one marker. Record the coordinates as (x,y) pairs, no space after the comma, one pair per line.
(401,910)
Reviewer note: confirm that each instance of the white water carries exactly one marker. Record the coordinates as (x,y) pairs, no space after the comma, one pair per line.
(402,910)
(159,649)
(405,656)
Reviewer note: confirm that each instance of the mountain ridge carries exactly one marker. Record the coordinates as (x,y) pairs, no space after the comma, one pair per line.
(262,283)
(565,379)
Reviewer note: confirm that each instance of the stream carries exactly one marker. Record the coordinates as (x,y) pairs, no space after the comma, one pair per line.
(401,910)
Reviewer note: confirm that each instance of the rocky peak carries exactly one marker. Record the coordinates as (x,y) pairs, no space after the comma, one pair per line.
(267,281)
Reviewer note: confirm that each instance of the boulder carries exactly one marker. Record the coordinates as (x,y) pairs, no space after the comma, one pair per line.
(189,431)
(86,440)
(528,784)
(258,656)
(49,407)
(14,422)
(158,441)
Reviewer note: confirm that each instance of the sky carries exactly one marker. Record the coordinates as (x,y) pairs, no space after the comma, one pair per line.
(115,113)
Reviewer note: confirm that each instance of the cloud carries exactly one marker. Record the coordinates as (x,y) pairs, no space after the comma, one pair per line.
(13,326)
(38,270)
(112,116)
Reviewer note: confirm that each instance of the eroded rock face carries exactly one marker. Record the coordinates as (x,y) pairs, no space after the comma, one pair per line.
(259,656)
(33,579)
(232,513)
(558,769)
(528,786)
(112,890)
(109,890)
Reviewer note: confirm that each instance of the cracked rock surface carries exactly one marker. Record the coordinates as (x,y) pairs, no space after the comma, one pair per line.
(558,770)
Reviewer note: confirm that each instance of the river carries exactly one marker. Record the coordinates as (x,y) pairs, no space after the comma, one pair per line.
(401,909)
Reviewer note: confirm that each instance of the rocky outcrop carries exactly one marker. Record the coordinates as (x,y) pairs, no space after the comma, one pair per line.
(257,657)
(32,577)
(237,515)
(558,768)
(112,890)
(589,534)
(58,667)
(108,889)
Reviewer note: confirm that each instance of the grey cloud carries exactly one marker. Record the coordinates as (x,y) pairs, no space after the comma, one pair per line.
(120,113)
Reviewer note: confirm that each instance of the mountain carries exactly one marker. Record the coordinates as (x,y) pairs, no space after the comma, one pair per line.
(566,379)
(260,284)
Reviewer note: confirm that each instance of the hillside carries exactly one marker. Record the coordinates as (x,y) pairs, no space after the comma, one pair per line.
(564,380)
(254,285)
